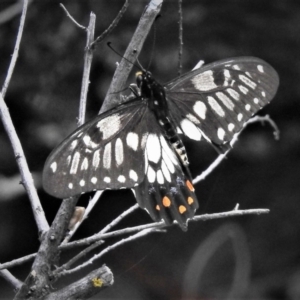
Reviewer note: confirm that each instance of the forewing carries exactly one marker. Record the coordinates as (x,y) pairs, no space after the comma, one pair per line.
(104,153)
(217,99)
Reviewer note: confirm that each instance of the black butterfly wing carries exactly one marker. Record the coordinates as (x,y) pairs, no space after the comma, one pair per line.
(166,191)
(106,152)
(123,147)
(217,99)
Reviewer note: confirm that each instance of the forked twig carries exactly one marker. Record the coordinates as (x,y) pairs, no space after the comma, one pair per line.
(27,179)
(111,27)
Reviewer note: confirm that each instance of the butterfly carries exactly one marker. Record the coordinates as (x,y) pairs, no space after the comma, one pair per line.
(138,144)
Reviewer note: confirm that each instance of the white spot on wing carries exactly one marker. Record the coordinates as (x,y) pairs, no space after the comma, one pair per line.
(107,179)
(200,109)
(70,185)
(204,81)
(107,156)
(109,126)
(225,100)
(153,148)
(121,178)
(132,140)
(234,94)
(160,177)
(96,158)
(215,106)
(243,89)
(231,126)
(166,171)
(227,73)
(263,94)
(151,175)
(260,68)
(69,159)
(94,180)
(75,163)
(247,81)
(192,118)
(81,182)
(119,152)
(85,164)
(240,117)
(256,100)
(190,130)
(247,107)
(88,142)
(168,152)
(236,67)
(73,145)
(133,175)
(53,166)
(221,133)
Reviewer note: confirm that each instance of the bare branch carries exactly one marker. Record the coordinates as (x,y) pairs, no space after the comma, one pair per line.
(81,254)
(16,50)
(11,279)
(71,18)
(17,261)
(88,57)
(48,253)
(180,37)
(122,72)
(27,179)
(89,208)
(158,225)
(111,27)
(85,288)
(97,256)
(119,218)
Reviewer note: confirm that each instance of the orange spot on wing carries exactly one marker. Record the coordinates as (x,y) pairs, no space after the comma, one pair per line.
(166,201)
(190,186)
(157,207)
(190,200)
(182,209)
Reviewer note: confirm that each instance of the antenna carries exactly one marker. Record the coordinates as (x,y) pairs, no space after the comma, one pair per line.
(134,51)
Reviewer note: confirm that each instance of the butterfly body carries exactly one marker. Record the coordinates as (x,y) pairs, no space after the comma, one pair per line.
(136,145)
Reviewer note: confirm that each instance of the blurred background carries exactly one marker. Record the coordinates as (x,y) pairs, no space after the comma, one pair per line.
(250,257)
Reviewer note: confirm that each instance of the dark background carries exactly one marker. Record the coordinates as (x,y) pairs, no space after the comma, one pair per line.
(260,172)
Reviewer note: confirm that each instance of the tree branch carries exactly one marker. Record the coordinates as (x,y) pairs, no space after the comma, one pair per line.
(27,179)
(122,72)
(86,287)
(11,279)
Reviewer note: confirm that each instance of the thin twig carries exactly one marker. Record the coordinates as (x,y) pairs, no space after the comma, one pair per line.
(89,208)
(71,18)
(119,218)
(180,37)
(111,27)
(81,254)
(158,229)
(97,256)
(158,225)
(88,57)
(11,279)
(27,179)
(221,157)
(16,50)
